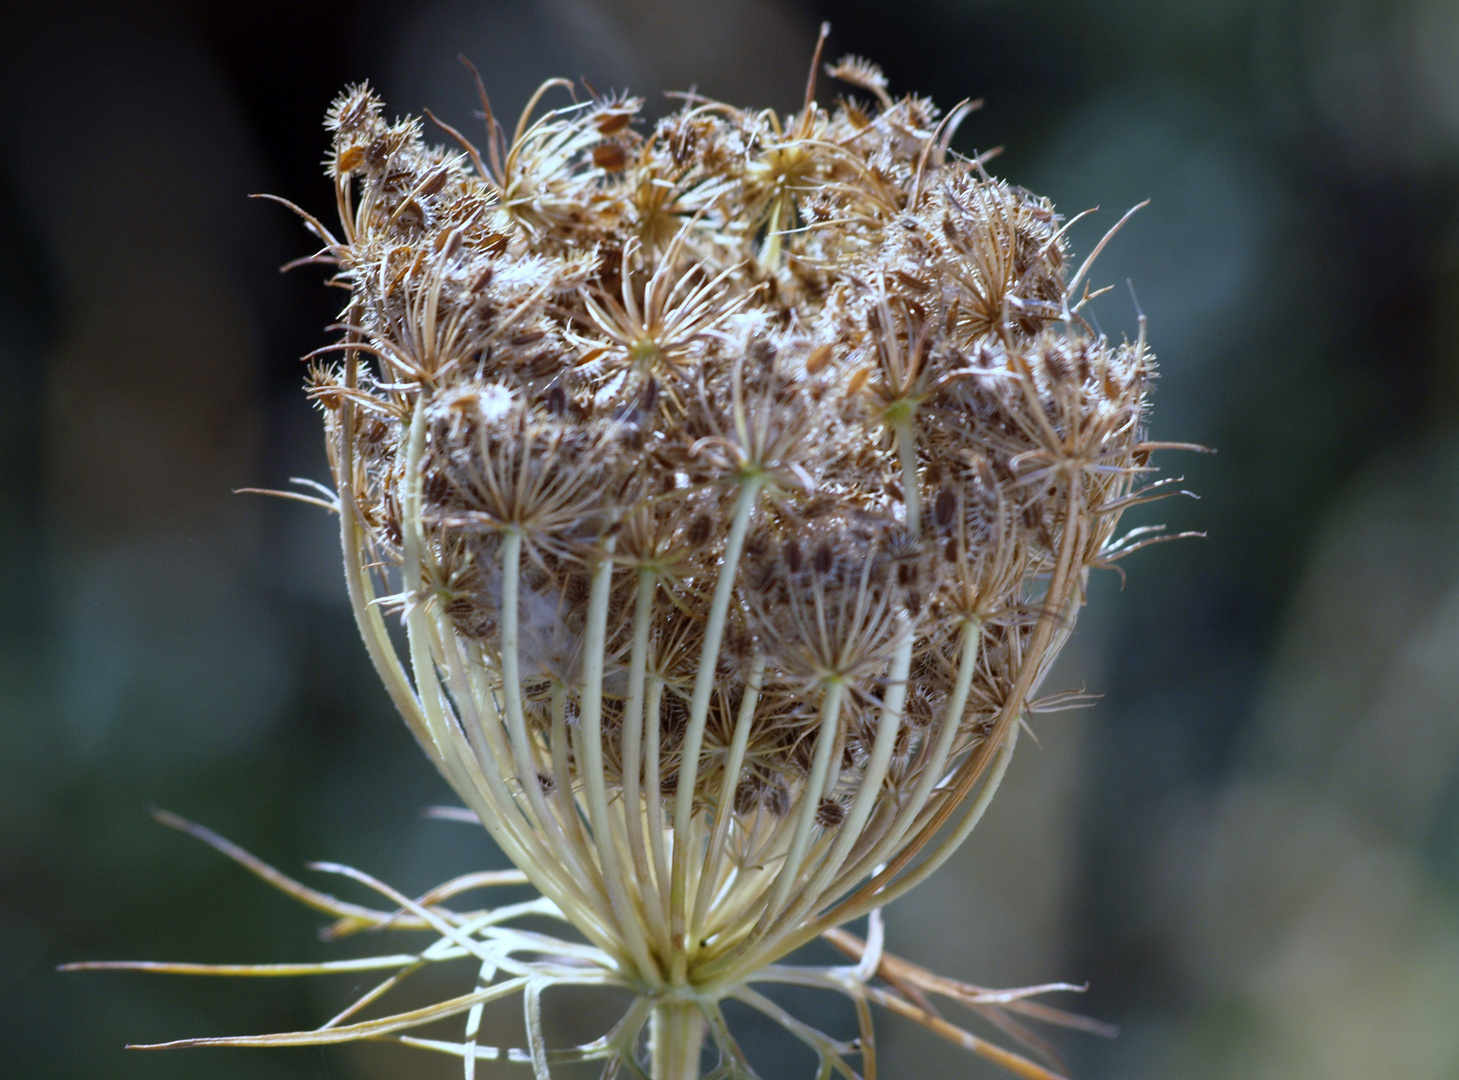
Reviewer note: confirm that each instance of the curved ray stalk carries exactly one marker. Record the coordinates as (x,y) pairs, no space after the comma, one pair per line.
(809,800)
(698,713)
(948,846)
(362,597)
(1055,600)
(1053,613)
(563,797)
(577,858)
(591,717)
(921,793)
(634,718)
(871,784)
(564,890)
(653,784)
(432,698)
(724,812)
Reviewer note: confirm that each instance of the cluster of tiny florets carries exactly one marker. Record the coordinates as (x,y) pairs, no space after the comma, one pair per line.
(613,326)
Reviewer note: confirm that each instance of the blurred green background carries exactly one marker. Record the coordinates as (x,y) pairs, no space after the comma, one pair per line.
(1249,847)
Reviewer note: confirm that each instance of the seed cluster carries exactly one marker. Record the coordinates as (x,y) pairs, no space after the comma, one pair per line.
(818,356)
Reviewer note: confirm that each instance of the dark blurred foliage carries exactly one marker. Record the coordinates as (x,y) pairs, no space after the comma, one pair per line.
(1249,847)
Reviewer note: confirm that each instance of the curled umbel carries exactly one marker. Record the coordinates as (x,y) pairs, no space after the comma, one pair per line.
(737,477)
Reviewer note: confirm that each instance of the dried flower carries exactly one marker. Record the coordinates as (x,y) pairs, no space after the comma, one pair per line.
(738,478)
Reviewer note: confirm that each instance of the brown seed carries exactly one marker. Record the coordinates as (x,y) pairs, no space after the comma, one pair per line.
(944,507)
(447,242)
(697,535)
(350,159)
(376,431)
(610,157)
(435,488)
(824,558)
(613,121)
(378,151)
(830,814)
(793,558)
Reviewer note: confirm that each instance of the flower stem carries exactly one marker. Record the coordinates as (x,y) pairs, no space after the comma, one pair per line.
(677,1035)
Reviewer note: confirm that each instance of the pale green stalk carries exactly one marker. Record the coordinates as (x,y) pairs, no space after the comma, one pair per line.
(724,813)
(362,595)
(634,719)
(951,842)
(581,864)
(907,458)
(934,764)
(419,635)
(506,815)
(591,717)
(869,791)
(676,1039)
(810,799)
(698,713)
(430,695)
(653,784)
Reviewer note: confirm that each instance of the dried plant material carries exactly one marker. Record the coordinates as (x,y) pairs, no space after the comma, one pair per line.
(737,478)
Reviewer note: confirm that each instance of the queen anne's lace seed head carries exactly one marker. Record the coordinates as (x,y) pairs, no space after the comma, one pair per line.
(742,474)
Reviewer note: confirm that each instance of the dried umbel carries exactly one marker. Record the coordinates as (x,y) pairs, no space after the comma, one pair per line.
(738,477)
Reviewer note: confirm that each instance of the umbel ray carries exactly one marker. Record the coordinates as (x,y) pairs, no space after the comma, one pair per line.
(737,478)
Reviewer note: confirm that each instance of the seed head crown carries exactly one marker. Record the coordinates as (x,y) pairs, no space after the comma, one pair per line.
(738,477)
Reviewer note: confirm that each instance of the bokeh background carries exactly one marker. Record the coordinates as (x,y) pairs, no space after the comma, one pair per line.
(1249,847)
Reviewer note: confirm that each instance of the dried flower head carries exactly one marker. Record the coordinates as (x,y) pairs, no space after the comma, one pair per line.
(737,477)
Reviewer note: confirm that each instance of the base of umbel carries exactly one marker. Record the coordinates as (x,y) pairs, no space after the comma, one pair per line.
(676,1040)
(660,1037)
